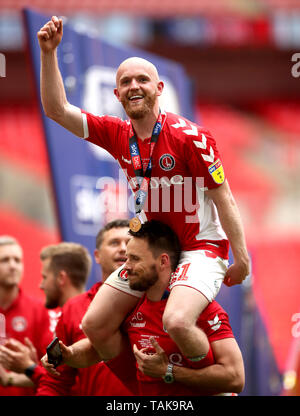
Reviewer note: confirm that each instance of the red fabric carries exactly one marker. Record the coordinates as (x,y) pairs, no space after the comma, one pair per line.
(189,161)
(32,236)
(146,321)
(276,286)
(96,380)
(27,317)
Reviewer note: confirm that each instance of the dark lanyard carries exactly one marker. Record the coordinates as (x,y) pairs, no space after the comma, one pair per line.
(143,179)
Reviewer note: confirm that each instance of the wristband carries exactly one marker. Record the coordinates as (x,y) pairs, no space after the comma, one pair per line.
(29,371)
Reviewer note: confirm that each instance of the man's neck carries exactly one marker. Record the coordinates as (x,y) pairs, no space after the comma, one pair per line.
(155,293)
(8,295)
(144,127)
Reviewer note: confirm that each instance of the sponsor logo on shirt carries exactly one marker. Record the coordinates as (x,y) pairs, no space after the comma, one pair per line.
(215,323)
(122,275)
(19,323)
(217,172)
(167,162)
(138,321)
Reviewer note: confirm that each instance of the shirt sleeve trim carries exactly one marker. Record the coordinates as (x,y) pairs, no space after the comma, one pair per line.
(85,126)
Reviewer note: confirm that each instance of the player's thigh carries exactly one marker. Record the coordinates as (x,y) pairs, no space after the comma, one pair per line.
(184,305)
(195,283)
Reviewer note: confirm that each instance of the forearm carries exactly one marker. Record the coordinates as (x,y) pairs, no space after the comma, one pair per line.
(52,88)
(19,380)
(83,354)
(232,225)
(231,222)
(213,379)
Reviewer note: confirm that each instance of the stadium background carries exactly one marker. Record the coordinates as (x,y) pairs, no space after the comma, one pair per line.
(241,59)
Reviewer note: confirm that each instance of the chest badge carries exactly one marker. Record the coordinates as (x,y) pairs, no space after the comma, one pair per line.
(167,162)
(19,323)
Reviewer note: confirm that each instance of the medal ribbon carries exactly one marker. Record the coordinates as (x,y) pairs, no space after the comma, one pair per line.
(143,178)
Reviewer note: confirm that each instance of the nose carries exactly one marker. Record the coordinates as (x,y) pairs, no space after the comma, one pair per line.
(12,263)
(122,247)
(127,265)
(134,85)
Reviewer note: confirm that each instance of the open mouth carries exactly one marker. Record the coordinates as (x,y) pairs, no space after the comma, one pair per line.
(136,98)
(121,260)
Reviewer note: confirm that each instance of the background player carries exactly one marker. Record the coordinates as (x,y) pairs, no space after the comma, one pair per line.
(27,319)
(109,254)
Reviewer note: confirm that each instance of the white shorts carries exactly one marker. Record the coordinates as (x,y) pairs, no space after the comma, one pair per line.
(198,269)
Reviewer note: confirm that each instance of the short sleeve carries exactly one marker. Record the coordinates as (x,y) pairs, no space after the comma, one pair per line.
(204,159)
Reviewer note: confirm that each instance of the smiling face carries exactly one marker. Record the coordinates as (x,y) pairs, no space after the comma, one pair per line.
(141,266)
(112,252)
(138,87)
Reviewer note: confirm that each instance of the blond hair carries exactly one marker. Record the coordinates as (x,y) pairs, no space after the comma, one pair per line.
(6,240)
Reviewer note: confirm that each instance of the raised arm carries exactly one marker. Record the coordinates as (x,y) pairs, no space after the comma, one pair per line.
(232,225)
(53,93)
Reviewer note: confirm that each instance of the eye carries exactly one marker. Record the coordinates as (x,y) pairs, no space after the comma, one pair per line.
(125,81)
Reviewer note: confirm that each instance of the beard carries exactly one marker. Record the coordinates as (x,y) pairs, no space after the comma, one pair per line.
(143,109)
(53,301)
(144,281)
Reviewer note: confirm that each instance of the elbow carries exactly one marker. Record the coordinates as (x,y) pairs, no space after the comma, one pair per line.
(53,115)
(237,380)
(54,110)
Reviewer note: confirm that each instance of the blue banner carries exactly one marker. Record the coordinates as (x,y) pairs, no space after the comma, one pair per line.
(89,188)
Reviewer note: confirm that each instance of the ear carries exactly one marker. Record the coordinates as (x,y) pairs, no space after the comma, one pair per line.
(164,261)
(160,87)
(62,278)
(116,92)
(97,256)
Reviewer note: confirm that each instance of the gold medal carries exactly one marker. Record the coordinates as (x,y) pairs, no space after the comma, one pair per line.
(135,224)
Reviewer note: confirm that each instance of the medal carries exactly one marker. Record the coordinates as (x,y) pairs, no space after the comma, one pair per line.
(135,224)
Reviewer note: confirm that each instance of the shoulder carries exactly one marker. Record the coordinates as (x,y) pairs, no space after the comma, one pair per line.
(30,302)
(186,130)
(213,313)
(76,303)
(105,119)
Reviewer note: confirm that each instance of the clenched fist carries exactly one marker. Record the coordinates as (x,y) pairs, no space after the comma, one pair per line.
(50,34)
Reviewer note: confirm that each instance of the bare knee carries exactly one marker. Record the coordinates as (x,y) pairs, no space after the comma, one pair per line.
(176,324)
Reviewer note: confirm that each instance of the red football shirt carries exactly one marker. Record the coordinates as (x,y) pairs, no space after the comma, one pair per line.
(185,163)
(146,321)
(27,317)
(96,380)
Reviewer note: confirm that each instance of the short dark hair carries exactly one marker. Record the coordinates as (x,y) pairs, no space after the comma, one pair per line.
(119,223)
(71,257)
(160,238)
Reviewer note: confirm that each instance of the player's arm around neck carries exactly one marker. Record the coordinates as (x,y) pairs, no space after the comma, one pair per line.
(226,375)
(53,93)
